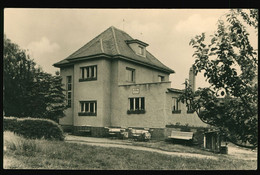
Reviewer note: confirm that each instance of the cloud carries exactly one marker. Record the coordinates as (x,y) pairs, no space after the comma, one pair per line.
(197,24)
(44,53)
(37,48)
(142,31)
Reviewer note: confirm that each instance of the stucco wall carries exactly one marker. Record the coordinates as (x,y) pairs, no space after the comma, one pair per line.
(111,91)
(98,90)
(155,102)
(142,74)
(68,118)
(183,118)
(154,93)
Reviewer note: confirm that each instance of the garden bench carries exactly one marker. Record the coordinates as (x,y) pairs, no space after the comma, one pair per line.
(181,135)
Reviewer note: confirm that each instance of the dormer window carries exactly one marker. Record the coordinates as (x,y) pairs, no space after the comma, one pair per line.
(140,50)
(138,47)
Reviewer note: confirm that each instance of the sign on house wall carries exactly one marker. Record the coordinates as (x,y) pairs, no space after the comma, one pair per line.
(136,91)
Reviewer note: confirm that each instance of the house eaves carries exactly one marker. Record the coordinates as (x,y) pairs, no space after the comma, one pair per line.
(142,63)
(103,55)
(175,90)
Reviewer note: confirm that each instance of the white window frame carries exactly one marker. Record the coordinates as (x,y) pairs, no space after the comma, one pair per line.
(88,72)
(130,74)
(85,107)
(68,90)
(140,50)
(135,99)
(176,105)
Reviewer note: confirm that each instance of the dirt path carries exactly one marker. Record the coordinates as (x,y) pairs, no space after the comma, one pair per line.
(241,153)
(127,145)
(233,150)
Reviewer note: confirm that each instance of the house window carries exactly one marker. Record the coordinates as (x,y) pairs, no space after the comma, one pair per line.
(130,73)
(140,50)
(88,108)
(69,91)
(88,73)
(161,78)
(136,105)
(176,105)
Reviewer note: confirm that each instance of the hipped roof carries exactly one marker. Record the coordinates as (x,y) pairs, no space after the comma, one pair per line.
(112,44)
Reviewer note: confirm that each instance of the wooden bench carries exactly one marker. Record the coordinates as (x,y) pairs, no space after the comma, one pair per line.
(181,135)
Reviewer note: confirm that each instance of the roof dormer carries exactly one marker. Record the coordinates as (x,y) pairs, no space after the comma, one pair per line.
(138,46)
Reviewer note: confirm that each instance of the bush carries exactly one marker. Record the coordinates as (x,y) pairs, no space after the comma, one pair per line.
(34,128)
(10,124)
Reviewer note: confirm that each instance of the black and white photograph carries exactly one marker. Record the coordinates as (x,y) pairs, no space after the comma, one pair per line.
(130,89)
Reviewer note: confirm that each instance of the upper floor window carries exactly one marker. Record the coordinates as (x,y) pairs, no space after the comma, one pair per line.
(88,73)
(176,105)
(130,75)
(88,108)
(140,50)
(136,105)
(161,78)
(68,90)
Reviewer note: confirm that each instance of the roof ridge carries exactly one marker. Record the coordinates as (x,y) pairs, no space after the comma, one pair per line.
(123,32)
(88,43)
(114,36)
(82,50)
(112,42)
(101,45)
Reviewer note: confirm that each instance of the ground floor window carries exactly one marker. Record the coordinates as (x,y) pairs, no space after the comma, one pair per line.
(136,105)
(176,105)
(88,108)
(189,109)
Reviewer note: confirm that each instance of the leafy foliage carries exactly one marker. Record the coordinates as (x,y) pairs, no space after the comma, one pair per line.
(28,91)
(34,128)
(18,74)
(229,64)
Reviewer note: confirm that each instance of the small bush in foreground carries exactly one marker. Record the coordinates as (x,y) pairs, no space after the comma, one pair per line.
(17,143)
(34,128)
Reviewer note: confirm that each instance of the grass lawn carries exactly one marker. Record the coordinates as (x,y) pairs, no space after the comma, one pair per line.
(20,153)
(170,146)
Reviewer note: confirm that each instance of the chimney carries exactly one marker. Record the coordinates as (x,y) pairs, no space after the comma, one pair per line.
(192,78)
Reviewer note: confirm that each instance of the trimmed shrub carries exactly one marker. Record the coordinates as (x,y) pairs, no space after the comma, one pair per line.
(34,128)
(10,124)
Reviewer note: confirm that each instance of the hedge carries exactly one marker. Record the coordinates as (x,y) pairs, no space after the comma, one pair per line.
(34,128)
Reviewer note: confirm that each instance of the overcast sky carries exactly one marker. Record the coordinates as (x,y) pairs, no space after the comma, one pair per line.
(51,35)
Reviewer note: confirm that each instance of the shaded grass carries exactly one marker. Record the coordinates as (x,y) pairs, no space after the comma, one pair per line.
(41,154)
(170,146)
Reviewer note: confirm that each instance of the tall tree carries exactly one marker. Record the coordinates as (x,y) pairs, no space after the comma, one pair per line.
(229,63)
(18,74)
(48,98)
(28,91)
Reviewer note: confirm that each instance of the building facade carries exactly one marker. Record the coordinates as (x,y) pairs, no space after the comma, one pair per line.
(113,81)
